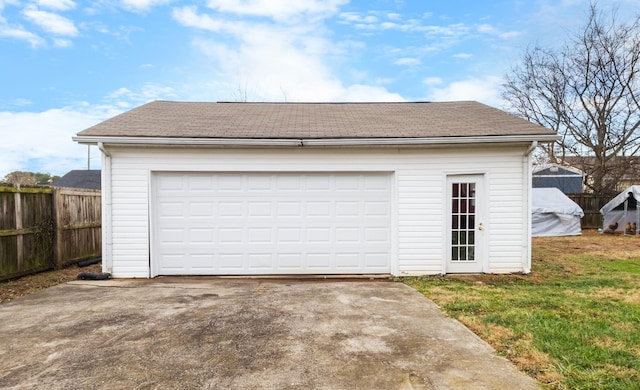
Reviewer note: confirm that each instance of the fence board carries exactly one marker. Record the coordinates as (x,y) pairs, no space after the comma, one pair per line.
(41,228)
(7,210)
(26,244)
(78,216)
(8,255)
(591,205)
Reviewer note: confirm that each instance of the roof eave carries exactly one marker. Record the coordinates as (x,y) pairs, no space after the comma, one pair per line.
(258,142)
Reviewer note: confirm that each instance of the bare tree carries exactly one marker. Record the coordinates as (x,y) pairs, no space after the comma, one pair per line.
(588,91)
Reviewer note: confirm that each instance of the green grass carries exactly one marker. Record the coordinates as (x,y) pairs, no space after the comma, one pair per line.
(573,323)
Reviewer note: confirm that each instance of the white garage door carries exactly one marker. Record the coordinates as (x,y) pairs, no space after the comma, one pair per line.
(271,223)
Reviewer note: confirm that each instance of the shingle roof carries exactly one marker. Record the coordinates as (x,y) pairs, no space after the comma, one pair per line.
(89,179)
(167,119)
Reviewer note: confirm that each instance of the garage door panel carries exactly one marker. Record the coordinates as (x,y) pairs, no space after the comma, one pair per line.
(230,235)
(231,262)
(232,209)
(349,235)
(230,183)
(201,209)
(320,260)
(259,208)
(259,235)
(348,260)
(171,182)
(319,209)
(259,260)
(376,235)
(201,261)
(201,236)
(289,234)
(168,236)
(291,261)
(318,183)
(171,209)
(271,223)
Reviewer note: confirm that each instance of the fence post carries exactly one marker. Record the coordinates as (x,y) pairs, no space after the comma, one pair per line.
(59,225)
(20,237)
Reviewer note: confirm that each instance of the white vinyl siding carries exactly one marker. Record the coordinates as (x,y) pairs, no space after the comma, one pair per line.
(418,181)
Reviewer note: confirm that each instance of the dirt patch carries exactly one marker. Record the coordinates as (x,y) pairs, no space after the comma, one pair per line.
(15,288)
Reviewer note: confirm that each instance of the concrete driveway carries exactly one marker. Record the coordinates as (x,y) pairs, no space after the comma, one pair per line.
(213,333)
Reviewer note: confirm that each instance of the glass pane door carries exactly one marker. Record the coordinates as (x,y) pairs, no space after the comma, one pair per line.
(463,221)
(465,227)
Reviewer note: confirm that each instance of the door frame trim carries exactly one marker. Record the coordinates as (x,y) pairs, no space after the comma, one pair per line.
(481,217)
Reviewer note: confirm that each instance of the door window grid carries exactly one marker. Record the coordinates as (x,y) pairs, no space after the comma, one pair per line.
(463,221)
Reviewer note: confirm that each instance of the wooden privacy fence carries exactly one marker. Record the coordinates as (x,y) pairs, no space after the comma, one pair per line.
(44,228)
(591,205)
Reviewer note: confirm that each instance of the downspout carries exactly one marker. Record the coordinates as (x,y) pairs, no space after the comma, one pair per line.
(526,217)
(107,239)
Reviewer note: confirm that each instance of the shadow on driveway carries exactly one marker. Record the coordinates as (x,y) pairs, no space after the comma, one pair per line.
(244,334)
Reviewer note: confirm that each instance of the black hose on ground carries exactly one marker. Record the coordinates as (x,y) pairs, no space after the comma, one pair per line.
(92,276)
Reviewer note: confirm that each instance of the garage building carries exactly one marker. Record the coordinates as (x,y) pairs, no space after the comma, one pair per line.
(315,188)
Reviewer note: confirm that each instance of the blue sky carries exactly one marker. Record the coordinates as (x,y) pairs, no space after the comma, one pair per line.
(68,64)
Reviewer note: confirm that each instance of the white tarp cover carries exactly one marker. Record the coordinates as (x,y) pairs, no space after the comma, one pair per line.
(554,214)
(622,210)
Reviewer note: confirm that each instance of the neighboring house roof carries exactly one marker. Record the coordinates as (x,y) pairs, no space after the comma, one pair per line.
(556,170)
(567,180)
(313,121)
(89,179)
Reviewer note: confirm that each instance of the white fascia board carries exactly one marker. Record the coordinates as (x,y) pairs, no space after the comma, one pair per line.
(428,141)
(153,141)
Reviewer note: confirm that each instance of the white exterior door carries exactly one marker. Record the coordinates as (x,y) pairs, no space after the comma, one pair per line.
(465,227)
(270,223)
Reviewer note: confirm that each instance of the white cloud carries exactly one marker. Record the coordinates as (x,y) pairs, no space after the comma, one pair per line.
(510,34)
(486,29)
(463,56)
(20,102)
(125,98)
(20,33)
(276,62)
(59,42)
(384,21)
(485,90)
(407,61)
(389,25)
(58,5)
(394,16)
(189,17)
(280,10)
(41,141)
(355,17)
(8,2)
(452,30)
(490,30)
(142,5)
(50,22)
(366,93)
